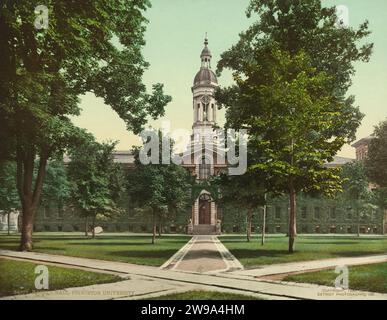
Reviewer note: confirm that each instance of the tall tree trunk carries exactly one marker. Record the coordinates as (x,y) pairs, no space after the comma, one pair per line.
(154,228)
(86,226)
(29,194)
(249,222)
(292,216)
(264,224)
(160,226)
(9,222)
(27,228)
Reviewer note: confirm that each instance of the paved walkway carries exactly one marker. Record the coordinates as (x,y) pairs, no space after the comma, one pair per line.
(292,267)
(203,254)
(146,281)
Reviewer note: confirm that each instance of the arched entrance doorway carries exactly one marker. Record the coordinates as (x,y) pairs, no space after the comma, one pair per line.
(204,209)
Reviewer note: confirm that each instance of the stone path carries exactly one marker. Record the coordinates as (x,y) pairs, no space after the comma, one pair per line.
(292,267)
(216,274)
(203,254)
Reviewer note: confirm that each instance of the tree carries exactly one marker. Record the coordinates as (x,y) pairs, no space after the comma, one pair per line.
(9,199)
(246,192)
(292,69)
(56,187)
(97,181)
(45,70)
(376,161)
(356,189)
(159,190)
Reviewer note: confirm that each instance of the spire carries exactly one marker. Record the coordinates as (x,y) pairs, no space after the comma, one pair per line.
(206,55)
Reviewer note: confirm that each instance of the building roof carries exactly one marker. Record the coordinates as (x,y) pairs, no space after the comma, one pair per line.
(122,157)
(338,162)
(205,76)
(206,51)
(362,141)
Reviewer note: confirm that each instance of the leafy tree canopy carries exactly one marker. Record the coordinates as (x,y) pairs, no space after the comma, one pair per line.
(376,161)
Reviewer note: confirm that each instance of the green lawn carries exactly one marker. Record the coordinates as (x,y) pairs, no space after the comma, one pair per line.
(204,295)
(252,254)
(18,277)
(372,277)
(116,247)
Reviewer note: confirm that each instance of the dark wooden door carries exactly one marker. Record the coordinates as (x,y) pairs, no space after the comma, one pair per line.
(204,212)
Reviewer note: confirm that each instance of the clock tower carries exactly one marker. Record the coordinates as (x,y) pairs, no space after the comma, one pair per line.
(202,159)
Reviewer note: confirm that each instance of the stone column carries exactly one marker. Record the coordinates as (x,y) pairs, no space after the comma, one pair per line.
(213,213)
(196,212)
(195,108)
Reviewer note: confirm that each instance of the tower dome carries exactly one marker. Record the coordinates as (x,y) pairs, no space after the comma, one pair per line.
(205,76)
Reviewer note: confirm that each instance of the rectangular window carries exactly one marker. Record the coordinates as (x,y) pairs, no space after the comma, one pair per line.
(317,212)
(204,171)
(332,212)
(303,212)
(278,213)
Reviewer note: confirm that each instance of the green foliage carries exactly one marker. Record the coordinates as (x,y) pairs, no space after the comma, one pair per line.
(89,46)
(292,70)
(355,182)
(376,162)
(158,189)
(96,180)
(356,189)
(9,199)
(56,187)
(284,103)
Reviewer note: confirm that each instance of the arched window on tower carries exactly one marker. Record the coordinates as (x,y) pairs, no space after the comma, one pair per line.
(204,169)
(205,111)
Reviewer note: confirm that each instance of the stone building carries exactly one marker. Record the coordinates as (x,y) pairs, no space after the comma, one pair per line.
(13,221)
(361,147)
